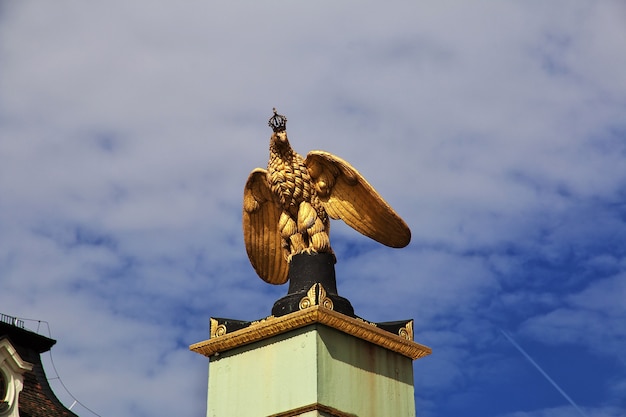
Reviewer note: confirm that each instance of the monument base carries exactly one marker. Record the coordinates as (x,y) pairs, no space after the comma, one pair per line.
(313,362)
(306,270)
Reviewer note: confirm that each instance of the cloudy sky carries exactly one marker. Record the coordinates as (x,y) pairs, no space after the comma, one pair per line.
(495,129)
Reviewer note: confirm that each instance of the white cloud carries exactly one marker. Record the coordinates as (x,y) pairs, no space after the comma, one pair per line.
(592,317)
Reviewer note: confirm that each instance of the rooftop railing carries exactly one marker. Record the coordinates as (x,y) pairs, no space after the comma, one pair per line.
(14,321)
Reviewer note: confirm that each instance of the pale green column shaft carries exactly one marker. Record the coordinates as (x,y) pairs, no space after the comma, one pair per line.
(310,365)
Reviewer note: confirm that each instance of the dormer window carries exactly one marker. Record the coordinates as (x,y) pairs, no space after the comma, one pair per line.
(12,369)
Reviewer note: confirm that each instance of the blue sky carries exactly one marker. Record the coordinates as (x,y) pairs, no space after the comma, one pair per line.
(495,129)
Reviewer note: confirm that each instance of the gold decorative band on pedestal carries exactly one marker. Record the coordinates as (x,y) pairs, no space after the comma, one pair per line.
(332,412)
(272,326)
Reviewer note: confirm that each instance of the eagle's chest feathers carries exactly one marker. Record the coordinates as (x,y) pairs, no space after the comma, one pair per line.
(289,179)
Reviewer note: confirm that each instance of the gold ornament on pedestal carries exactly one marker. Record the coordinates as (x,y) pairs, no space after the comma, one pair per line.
(286,208)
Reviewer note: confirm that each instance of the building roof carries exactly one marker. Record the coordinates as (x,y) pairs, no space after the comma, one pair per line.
(37,398)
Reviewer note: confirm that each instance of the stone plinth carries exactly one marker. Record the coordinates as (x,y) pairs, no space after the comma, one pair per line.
(313,362)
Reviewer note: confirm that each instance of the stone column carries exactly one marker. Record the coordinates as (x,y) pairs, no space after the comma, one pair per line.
(311,362)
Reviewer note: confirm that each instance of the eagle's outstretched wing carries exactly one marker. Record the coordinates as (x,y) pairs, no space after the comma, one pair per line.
(346,195)
(260,230)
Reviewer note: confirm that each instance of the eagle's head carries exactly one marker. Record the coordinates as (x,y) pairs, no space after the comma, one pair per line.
(279,140)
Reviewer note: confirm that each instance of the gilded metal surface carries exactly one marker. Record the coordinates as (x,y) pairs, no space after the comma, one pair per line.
(330,411)
(287,208)
(310,299)
(273,326)
(214,324)
(406,332)
(262,320)
(217,329)
(322,299)
(365,321)
(221,330)
(316,296)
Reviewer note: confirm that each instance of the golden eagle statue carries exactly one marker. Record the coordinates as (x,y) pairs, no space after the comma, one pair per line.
(286,208)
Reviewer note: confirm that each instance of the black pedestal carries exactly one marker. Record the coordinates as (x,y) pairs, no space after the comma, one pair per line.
(306,270)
